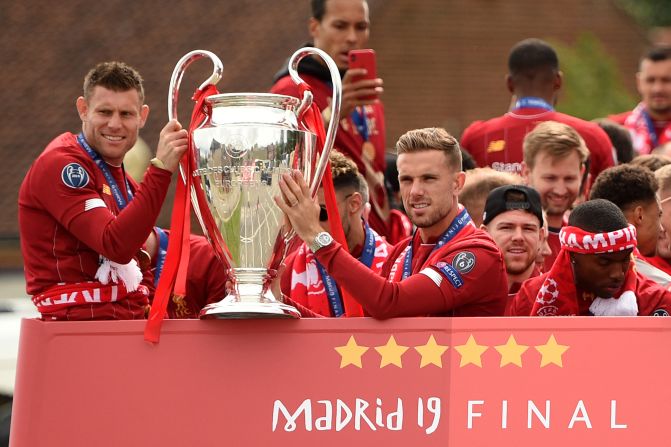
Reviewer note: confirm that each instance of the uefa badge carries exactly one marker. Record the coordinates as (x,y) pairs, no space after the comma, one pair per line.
(74,176)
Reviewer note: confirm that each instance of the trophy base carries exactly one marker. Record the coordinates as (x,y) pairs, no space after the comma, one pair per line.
(229,308)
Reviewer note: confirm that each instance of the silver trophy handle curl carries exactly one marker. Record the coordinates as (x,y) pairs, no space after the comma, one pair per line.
(307,100)
(178,73)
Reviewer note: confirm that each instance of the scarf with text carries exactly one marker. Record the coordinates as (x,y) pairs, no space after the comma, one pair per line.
(62,296)
(558,295)
(644,134)
(307,285)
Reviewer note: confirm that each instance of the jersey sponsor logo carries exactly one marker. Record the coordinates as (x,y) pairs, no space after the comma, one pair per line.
(660,313)
(496,146)
(451,274)
(464,262)
(75,176)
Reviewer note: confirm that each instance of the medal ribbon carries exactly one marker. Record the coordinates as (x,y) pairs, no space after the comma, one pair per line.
(532,102)
(359,119)
(330,285)
(161,251)
(116,191)
(455,227)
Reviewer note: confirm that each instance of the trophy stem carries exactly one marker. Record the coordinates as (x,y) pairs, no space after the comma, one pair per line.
(250,298)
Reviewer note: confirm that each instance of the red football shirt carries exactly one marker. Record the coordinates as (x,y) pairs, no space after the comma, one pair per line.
(498,142)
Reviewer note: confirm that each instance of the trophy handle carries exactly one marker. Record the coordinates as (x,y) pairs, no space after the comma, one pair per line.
(178,73)
(335,106)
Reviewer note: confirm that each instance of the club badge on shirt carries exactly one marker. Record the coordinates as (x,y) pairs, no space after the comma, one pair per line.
(74,176)
(464,262)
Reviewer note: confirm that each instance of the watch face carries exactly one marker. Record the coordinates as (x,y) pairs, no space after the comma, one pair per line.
(324,239)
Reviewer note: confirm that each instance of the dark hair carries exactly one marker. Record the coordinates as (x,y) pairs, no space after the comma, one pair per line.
(651,161)
(530,56)
(318,9)
(625,185)
(658,54)
(620,138)
(345,173)
(467,161)
(598,216)
(115,76)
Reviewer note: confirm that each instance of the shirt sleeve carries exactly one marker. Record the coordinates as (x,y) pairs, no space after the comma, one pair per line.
(429,292)
(119,237)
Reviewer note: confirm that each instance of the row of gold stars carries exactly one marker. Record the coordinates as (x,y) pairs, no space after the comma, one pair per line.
(470,352)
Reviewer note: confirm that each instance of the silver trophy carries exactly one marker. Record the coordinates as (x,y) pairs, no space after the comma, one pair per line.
(247,142)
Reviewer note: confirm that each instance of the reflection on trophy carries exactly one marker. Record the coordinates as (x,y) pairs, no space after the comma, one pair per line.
(247,142)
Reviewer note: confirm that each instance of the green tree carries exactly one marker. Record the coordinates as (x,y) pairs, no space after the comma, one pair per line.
(592,85)
(649,12)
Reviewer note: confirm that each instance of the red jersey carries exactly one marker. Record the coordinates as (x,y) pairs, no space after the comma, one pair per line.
(498,142)
(368,156)
(68,219)
(646,133)
(446,281)
(652,299)
(303,283)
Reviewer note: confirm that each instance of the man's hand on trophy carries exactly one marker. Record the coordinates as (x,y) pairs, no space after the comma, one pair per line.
(296,203)
(172,144)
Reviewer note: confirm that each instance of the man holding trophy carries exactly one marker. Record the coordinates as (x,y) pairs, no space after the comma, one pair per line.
(337,27)
(438,271)
(86,227)
(304,280)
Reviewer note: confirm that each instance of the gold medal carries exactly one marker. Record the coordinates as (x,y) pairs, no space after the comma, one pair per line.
(143,260)
(368,151)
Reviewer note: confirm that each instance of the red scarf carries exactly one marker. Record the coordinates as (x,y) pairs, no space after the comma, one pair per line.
(558,296)
(638,123)
(173,276)
(62,296)
(307,287)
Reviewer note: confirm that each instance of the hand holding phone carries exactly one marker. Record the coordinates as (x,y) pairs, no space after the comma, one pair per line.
(360,88)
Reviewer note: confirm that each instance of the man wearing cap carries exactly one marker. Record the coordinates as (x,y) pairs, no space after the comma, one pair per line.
(304,281)
(439,270)
(514,219)
(594,273)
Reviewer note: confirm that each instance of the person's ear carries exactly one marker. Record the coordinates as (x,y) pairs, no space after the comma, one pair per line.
(82,108)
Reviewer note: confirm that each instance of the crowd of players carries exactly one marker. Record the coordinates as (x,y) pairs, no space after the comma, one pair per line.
(533,213)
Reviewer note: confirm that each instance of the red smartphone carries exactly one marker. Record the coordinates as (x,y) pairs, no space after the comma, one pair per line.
(364,58)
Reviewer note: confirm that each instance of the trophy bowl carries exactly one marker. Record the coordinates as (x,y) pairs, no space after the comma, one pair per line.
(240,152)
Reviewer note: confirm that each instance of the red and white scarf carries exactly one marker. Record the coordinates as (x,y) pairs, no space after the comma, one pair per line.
(638,122)
(558,296)
(307,287)
(62,296)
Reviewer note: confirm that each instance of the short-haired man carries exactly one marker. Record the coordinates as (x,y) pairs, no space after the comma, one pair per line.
(305,281)
(593,274)
(477,186)
(554,163)
(439,270)
(84,222)
(634,190)
(337,27)
(513,217)
(650,122)
(534,80)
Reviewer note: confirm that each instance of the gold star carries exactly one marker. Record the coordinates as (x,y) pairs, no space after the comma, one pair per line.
(391,353)
(471,352)
(431,353)
(511,352)
(351,353)
(551,352)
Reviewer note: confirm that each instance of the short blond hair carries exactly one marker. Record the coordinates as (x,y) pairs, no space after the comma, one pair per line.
(431,138)
(558,140)
(663,176)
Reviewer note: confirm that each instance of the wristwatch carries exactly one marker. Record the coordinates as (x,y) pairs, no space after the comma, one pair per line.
(322,240)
